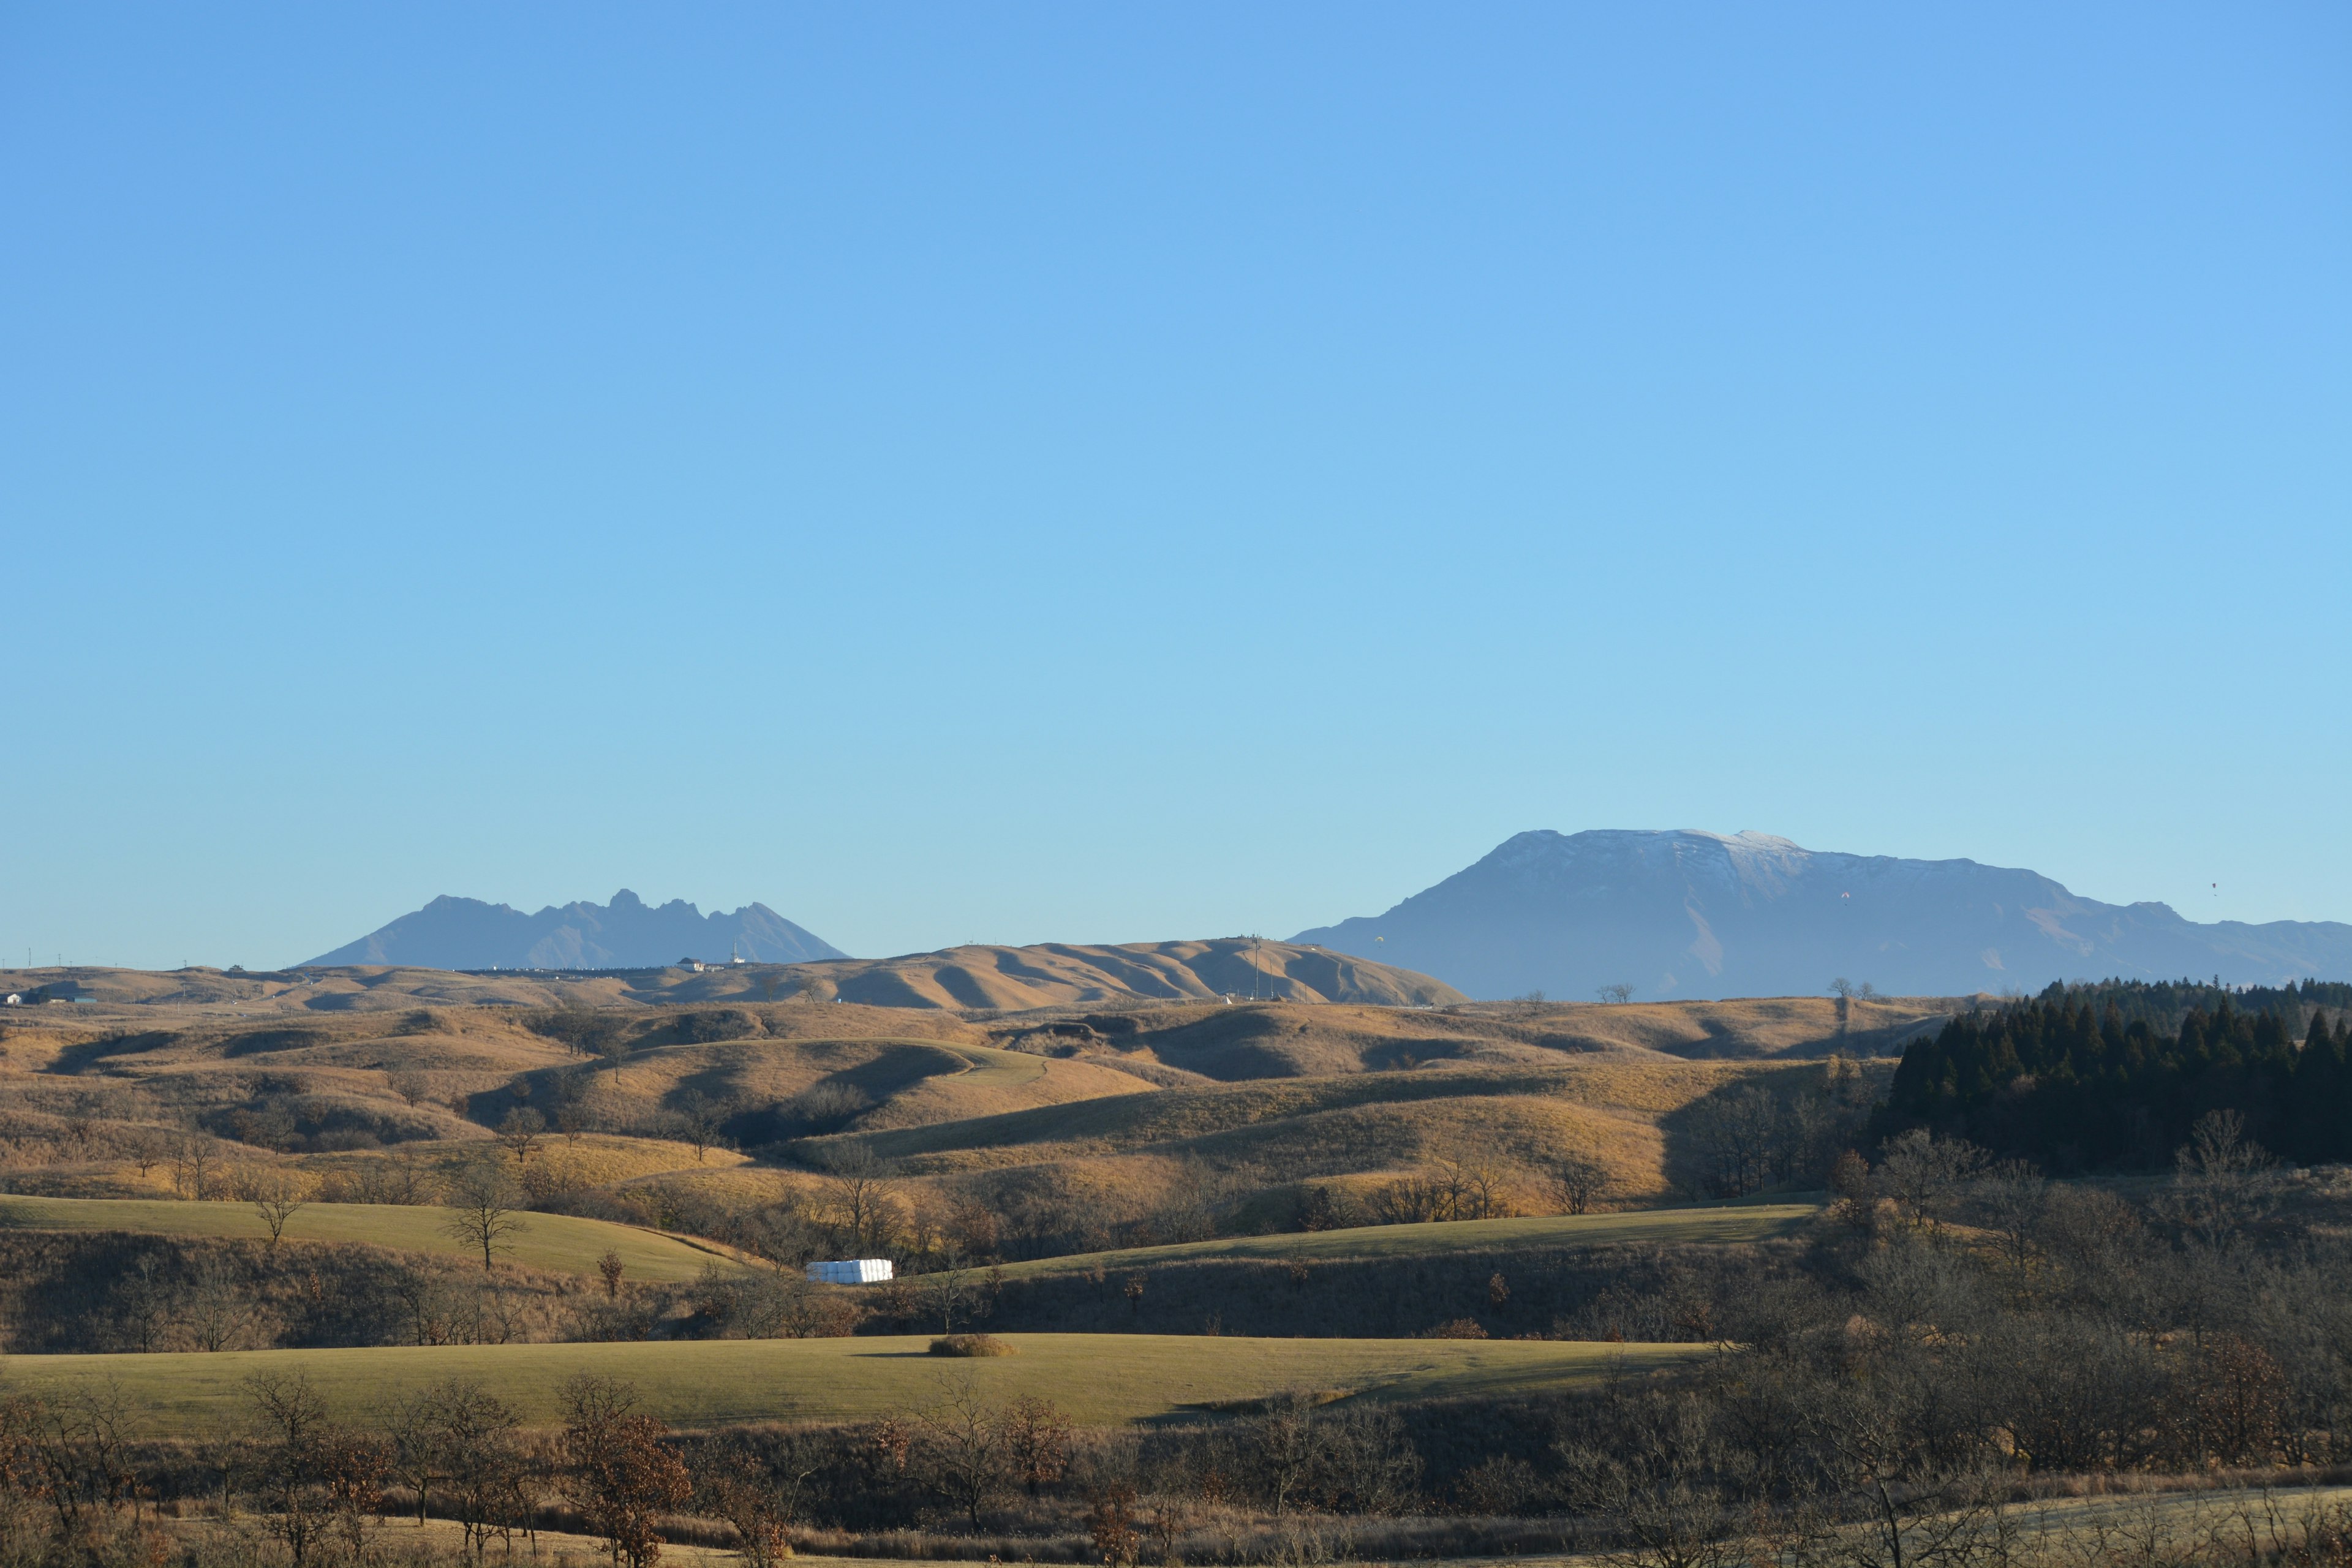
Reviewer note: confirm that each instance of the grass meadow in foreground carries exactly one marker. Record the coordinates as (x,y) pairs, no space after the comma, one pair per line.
(1098,1379)
(555,1241)
(1720,1223)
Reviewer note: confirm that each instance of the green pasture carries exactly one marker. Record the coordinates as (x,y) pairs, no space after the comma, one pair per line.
(1100,1379)
(557,1242)
(1727,1223)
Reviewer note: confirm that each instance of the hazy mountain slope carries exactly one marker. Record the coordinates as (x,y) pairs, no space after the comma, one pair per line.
(1692,914)
(627,934)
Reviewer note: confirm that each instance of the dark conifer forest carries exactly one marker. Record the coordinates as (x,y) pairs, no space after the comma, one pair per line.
(2113,1076)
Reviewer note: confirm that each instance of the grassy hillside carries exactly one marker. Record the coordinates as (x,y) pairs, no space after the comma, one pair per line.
(1116,1157)
(1715,1223)
(974,977)
(1100,1379)
(554,1242)
(1078,1126)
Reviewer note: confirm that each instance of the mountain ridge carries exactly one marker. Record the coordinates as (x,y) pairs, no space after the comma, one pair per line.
(1689,914)
(453,932)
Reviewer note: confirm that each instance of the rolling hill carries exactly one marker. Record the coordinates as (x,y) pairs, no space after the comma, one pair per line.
(979,977)
(722,1382)
(1692,914)
(558,1243)
(1080,1127)
(1053,975)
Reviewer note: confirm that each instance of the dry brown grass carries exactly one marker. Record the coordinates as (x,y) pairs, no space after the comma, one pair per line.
(1103,1112)
(976,976)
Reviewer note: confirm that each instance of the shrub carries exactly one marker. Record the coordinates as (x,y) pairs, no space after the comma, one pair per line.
(973,1345)
(1459,1328)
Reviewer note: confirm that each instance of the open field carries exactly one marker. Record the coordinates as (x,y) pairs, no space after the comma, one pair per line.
(1099,1379)
(555,1241)
(1721,1223)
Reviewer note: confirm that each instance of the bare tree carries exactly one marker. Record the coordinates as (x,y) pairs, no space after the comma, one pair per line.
(147,1148)
(519,1130)
(483,1209)
(1923,1173)
(1579,1179)
(1661,1492)
(413,1426)
(275,1195)
(865,1194)
(699,1120)
(1738,1142)
(216,1309)
(2222,1182)
(473,1440)
(1916,1510)
(759,1501)
(964,1446)
(785,1234)
(2014,1196)
(398,1177)
(410,1085)
(1281,1447)
(144,1299)
(1469,1184)
(1618,993)
(71,1451)
(1843,989)
(608,1268)
(613,1049)
(195,1168)
(320,1480)
(950,1290)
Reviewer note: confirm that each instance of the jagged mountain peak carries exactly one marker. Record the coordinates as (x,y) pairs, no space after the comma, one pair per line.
(454,932)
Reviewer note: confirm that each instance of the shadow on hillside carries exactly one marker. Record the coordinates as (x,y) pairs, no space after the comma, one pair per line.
(1776,1130)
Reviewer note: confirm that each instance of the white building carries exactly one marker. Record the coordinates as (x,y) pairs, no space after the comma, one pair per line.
(851,1271)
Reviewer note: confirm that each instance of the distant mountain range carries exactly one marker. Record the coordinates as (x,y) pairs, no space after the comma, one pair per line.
(627,934)
(1692,914)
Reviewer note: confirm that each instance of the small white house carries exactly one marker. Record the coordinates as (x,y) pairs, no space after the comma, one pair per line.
(851,1271)
(15,1000)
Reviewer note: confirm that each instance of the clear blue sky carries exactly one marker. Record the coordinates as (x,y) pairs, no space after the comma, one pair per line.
(1093,473)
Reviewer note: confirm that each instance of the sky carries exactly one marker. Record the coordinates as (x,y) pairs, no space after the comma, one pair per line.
(1118,473)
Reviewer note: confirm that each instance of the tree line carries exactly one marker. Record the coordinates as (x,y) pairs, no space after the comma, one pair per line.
(73,1489)
(1960,1342)
(2080,1078)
